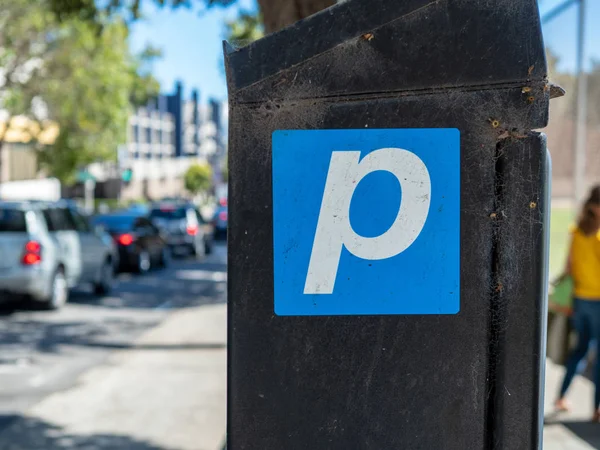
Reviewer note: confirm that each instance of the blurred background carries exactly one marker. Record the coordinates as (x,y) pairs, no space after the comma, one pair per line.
(113,142)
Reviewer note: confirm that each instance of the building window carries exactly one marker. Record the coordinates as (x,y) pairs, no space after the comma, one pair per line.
(135,133)
(148,135)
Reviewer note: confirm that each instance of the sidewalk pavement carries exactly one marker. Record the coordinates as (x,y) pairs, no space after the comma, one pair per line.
(168,392)
(573,430)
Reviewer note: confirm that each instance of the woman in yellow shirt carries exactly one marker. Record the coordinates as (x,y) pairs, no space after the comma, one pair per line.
(584,267)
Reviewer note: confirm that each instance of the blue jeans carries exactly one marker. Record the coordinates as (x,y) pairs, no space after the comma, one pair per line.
(586,321)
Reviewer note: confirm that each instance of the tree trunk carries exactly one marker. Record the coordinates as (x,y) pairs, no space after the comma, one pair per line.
(278,14)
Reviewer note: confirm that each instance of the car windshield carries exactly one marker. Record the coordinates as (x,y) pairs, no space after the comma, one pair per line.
(115,223)
(168,213)
(12,221)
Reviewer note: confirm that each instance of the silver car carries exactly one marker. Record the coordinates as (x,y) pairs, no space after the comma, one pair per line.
(184,228)
(46,249)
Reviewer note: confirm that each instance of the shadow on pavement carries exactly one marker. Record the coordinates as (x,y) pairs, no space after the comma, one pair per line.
(553,418)
(587,431)
(183,285)
(25,433)
(126,346)
(49,337)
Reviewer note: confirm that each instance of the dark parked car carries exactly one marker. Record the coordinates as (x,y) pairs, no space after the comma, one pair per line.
(184,226)
(220,222)
(140,244)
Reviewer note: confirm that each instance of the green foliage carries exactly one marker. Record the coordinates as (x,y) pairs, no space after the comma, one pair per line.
(144,86)
(69,74)
(198,178)
(248,27)
(88,95)
(90,10)
(24,45)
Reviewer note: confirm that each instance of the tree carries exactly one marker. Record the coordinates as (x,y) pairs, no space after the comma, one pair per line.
(276,14)
(245,29)
(68,74)
(94,80)
(198,178)
(24,47)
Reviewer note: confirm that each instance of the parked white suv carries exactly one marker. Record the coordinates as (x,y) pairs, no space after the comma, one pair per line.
(46,249)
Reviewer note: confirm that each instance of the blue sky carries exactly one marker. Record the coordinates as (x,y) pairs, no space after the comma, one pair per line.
(191,42)
(561,34)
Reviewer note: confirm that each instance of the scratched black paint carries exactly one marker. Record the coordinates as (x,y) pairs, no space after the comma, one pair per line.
(470,381)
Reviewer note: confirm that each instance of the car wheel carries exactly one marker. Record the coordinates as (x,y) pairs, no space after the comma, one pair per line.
(59,291)
(143,262)
(199,250)
(208,246)
(165,257)
(105,283)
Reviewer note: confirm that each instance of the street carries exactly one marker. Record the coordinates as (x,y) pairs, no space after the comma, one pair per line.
(144,369)
(57,366)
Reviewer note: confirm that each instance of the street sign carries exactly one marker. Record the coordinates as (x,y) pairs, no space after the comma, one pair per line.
(366,214)
(388,215)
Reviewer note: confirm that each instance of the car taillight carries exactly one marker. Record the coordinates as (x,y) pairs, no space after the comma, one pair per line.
(192,230)
(33,247)
(33,253)
(223,216)
(125,239)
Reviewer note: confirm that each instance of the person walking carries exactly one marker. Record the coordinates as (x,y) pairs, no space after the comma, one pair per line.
(583,265)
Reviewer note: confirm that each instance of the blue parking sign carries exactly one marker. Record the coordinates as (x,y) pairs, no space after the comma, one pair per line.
(366,222)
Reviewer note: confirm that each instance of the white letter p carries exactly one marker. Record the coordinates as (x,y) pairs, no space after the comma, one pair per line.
(334,230)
